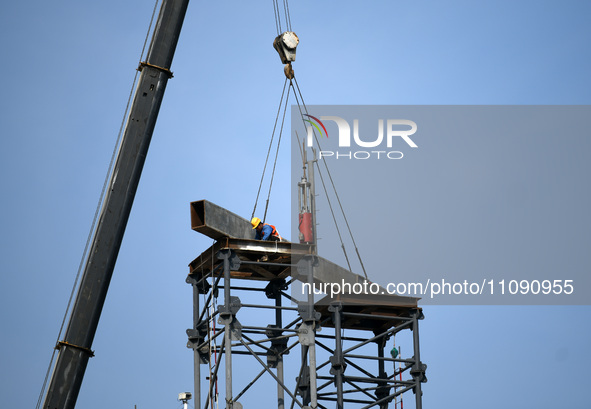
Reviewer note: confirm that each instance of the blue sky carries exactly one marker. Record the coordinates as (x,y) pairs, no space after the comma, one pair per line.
(67,72)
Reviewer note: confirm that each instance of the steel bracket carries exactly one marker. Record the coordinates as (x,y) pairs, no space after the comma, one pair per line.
(232,258)
(304,382)
(382,392)
(338,365)
(197,335)
(381,341)
(274,288)
(418,372)
(202,285)
(235,330)
(303,272)
(278,346)
(336,307)
(274,332)
(307,312)
(196,338)
(227,313)
(306,332)
(235,405)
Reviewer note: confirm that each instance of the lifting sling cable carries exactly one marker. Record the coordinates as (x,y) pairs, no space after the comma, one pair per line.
(96,213)
(333,185)
(269,150)
(276,153)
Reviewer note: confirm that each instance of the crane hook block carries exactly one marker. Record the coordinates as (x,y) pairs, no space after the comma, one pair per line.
(288,70)
(286,44)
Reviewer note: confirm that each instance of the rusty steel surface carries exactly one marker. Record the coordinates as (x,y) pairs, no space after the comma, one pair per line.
(216,222)
(278,264)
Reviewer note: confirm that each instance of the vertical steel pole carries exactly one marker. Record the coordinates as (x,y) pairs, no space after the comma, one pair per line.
(304,360)
(313,390)
(400,375)
(381,369)
(417,356)
(279,324)
(228,333)
(313,201)
(338,354)
(280,391)
(394,371)
(196,358)
(312,348)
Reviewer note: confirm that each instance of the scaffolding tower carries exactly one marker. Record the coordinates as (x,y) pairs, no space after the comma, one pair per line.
(337,345)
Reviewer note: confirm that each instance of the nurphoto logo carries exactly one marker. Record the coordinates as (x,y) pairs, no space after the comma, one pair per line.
(377,148)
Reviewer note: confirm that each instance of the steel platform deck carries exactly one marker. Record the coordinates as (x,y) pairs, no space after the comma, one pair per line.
(362,312)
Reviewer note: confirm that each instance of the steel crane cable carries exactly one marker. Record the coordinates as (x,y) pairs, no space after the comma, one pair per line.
(269,150)
(333,187)
(277,153)
(278,16)
(97,211)
(287,15)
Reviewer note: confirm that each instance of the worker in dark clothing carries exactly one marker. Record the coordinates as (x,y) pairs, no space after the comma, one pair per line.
(264,231)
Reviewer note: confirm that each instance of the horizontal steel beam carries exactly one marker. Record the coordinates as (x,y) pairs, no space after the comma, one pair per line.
(216,222)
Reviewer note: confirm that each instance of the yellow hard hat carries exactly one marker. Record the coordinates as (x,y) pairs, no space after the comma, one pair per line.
(255,222)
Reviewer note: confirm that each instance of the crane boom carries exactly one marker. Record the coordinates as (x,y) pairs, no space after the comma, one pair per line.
(75,348)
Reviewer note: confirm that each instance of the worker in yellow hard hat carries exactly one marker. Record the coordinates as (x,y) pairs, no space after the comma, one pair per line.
(264,231)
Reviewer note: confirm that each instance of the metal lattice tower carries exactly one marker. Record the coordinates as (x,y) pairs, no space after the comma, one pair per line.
(336,346)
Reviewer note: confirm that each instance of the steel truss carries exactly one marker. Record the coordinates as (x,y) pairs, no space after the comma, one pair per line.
(338,364)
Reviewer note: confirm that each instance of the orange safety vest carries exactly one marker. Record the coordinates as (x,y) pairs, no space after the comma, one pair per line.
(274,232)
